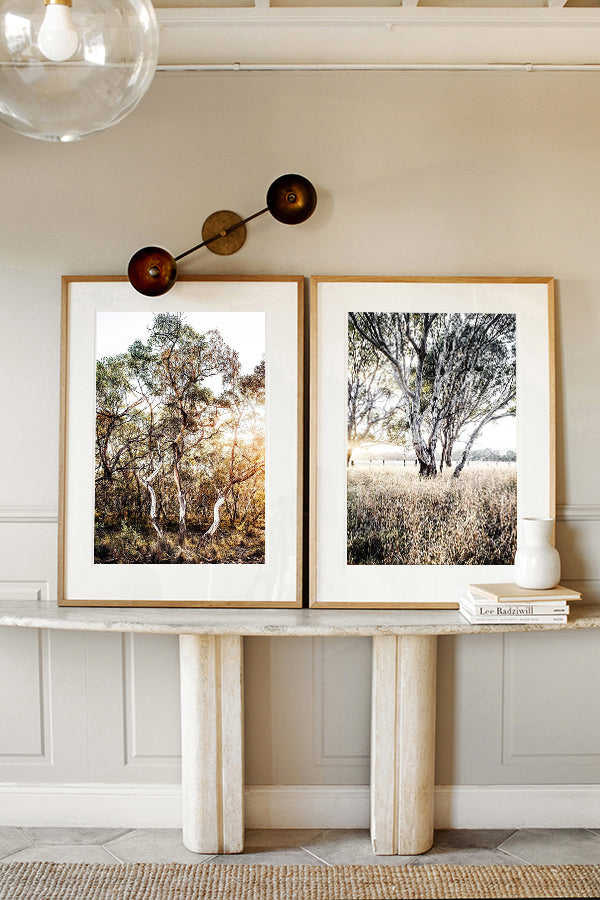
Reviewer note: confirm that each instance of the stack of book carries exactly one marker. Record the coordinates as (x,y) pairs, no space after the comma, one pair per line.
(494,603)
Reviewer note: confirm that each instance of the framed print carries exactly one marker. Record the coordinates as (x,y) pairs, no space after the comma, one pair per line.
(181,443)
(432,434)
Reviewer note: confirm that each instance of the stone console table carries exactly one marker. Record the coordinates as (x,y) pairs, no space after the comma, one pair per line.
(403,708)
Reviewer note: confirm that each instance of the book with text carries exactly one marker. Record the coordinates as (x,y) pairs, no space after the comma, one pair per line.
(490,609)
(511,593)
(506,618)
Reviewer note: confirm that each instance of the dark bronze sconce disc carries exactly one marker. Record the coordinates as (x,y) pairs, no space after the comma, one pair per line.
(152,271)
(291,199)
(230,228)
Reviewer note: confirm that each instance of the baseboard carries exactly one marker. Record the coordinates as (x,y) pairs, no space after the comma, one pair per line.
(517,806)
(456,806)
(307,806)
(91,805)
(299,806)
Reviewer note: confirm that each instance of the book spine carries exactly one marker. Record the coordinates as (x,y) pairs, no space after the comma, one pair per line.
(523,620)
(516,609)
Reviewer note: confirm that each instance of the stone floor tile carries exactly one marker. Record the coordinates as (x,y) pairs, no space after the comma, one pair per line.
(350,846)
(67,853)
(12,840)
(468,846)
(554,846)
(279,838)
(154,845)
(470,838)
(289,857)
(476,856)
(97,836)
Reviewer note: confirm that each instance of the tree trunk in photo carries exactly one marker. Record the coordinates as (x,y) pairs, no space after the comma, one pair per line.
(153,517)
(425,458)
(446,460)
(182,527)
(139,498)
(427,470)
(210,532)
(147,482)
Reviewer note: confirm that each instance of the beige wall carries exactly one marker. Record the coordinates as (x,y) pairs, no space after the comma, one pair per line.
(417,173)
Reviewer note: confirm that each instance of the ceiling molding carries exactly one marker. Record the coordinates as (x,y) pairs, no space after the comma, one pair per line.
(377,15)
(379,36)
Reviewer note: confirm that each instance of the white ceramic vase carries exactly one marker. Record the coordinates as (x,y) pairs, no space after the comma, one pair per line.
(537,563)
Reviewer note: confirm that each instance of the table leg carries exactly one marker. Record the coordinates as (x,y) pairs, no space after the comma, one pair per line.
(403,744)
(212,742)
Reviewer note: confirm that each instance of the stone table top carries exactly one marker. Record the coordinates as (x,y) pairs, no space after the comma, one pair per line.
(285,622)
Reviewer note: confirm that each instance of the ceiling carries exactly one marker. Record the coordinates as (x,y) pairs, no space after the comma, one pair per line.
(330,34)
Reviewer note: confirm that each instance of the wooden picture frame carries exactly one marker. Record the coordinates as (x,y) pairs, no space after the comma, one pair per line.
(366,545)
(187,490)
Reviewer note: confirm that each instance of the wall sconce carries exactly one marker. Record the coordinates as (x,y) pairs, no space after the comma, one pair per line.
(291,199)
(70,68)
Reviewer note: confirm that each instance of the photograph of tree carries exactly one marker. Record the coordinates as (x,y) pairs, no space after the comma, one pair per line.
(180,438)
(431,454)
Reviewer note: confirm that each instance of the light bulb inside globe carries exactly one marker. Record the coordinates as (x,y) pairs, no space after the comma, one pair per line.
(57,38)
(89,76)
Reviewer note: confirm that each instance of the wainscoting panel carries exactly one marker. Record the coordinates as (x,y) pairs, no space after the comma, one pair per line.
(43,706)
(288,743)
(577,540)
(341,668)
(469,709)
(29,553)
(25,673)
(105,690)
(307,710)
(551,715)
(43,710)
(133,697)
(24,590)
(152,706)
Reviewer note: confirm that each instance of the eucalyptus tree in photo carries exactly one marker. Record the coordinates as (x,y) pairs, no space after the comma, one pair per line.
(433,383)
(245,397)
(173,366)
(451,372)
(373,400)
(179,435)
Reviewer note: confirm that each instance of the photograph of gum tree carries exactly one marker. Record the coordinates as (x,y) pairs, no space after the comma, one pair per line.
(431,459)
(180,438)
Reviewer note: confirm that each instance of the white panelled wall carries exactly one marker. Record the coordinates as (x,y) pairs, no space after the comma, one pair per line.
(417,174)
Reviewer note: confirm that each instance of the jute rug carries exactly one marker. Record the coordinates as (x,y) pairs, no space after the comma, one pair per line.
(178,881)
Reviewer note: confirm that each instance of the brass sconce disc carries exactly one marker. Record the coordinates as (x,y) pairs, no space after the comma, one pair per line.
(291,199)
(152,271)
(230,230)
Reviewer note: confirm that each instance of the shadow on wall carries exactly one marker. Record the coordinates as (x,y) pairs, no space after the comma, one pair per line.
(445,767)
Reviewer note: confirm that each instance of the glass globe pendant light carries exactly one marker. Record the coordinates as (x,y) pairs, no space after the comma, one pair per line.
(71,68)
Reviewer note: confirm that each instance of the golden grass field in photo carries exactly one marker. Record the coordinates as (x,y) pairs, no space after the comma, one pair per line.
(234,544)
(396,517)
